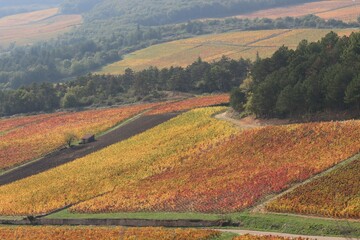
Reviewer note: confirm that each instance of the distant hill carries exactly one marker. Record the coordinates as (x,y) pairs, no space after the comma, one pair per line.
(245,44)
(8,3)
(9,7)
(149,12)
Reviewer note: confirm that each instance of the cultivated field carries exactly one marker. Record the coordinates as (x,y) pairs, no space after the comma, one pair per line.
(346,10)
(336,194)
(27,28)
(245,44)
(109,233)
(192,163)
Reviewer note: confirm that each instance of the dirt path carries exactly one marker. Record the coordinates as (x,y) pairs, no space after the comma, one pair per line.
(63,156)
(251,121)
(258,233)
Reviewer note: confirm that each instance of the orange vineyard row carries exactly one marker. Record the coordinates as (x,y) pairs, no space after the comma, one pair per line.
(114,233)
(333,195)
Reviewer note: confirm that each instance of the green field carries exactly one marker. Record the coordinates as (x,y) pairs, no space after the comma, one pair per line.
(212,47)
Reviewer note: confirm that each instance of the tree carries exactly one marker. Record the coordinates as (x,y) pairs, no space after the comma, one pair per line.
(70,100)
(69,139)
(237,99)
(352,94)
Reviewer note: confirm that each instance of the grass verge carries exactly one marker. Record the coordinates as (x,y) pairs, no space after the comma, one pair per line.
(283,223)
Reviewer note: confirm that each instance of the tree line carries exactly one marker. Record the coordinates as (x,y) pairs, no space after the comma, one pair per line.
(147,85)
(315,77)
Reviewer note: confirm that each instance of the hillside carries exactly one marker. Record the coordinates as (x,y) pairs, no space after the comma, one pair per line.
(245,44)
(167,11)
(31,27)
(335,9)
(202,167)
(22,6)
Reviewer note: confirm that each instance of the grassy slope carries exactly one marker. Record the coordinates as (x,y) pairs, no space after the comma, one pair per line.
(212,47)
(27,28)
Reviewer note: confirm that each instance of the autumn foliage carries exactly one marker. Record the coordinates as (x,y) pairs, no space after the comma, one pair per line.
(337,194)
(109,233)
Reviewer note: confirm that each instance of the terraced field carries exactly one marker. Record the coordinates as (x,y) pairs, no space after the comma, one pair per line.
(235,45)
(27,28)
(338,9)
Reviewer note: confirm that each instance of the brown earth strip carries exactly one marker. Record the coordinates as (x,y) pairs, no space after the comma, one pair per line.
(66,155)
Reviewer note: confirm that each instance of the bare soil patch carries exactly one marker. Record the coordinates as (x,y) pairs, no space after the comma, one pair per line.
(250,121)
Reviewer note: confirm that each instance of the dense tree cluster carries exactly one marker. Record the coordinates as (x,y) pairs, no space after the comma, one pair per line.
(317,76)
(199,77)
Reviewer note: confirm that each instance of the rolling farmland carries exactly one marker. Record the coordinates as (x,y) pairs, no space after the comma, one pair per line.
(333,195)
(27,28)
(338,9)
(109,233)
(245,44)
